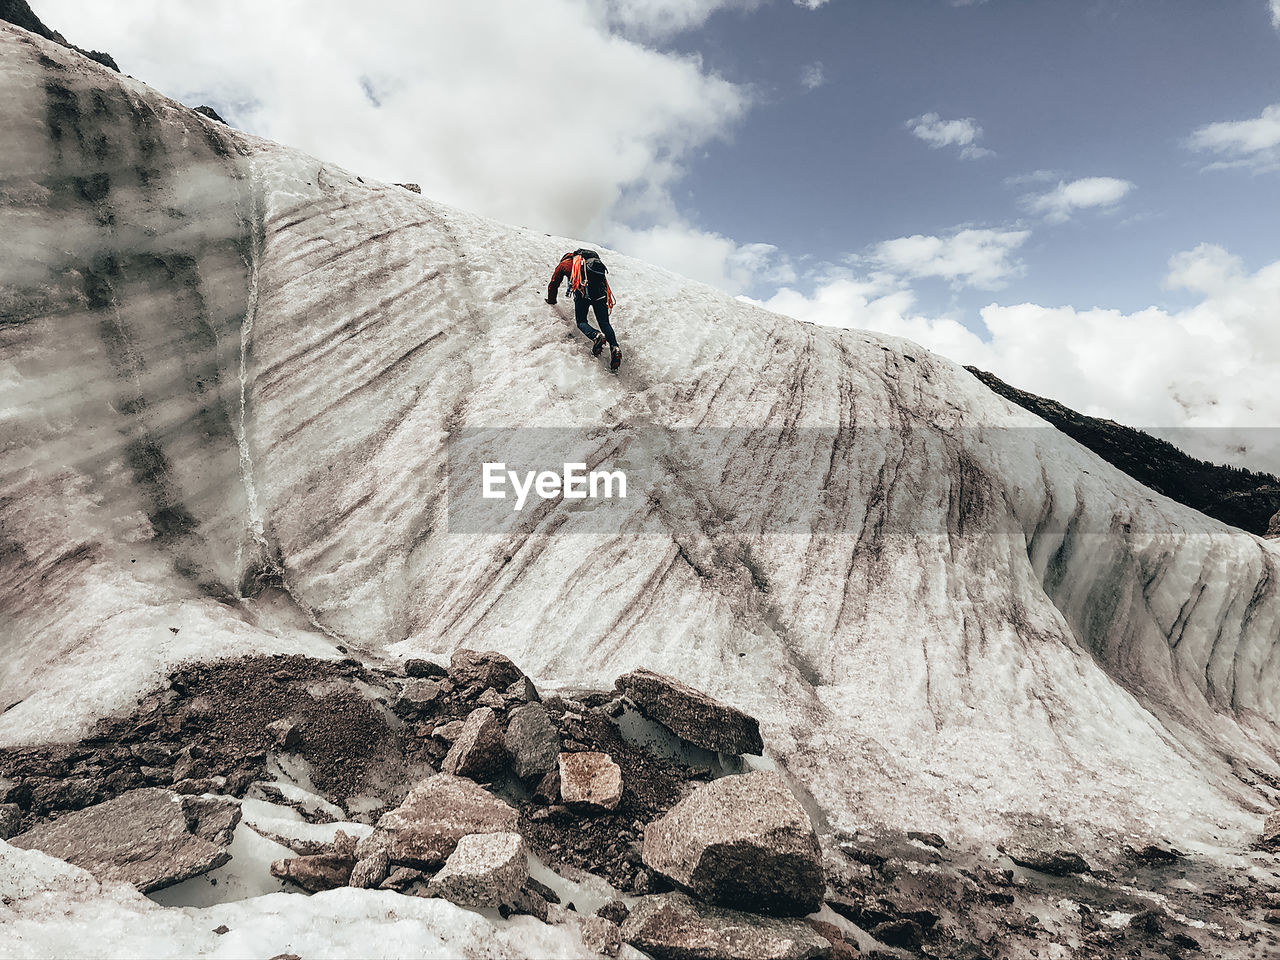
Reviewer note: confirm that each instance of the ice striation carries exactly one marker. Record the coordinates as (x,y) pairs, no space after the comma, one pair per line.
(233,379)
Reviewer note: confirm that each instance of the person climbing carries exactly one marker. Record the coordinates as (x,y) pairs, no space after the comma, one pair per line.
(586,275)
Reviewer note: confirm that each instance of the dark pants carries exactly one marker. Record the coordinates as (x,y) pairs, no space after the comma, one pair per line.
(601,307)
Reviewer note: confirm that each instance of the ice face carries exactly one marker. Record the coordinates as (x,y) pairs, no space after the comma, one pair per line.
(232,378)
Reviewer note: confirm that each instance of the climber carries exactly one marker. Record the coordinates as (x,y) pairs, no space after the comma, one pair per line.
(586,275)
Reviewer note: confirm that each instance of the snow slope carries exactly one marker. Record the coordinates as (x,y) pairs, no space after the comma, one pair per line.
(232,376)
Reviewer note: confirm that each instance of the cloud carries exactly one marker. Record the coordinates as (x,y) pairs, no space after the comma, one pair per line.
(969,258)
(1275,14)
(708,257)
(812,76)
(1213,367)
(1252,144)
(810,4)
(653,19)
(537,114)
(1059,204)
(938,133)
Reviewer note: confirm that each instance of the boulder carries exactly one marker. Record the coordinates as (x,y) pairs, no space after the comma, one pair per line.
(10,820)
(692,715)
(523,689)
(600,936)
(141,837)
(1271,829)
(742,842)
(371,871)
(436,814)
(473,671)
(590,780)
(285,734)
(841,949)
(671,926)
(423,668)
(484,870)
(419,694)
(449,731)
(323,871)
(401,878)
(211,818)
(532,741)
(480,749)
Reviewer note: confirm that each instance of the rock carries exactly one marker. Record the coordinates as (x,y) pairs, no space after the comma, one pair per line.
(285,734)
(599,935)
(424,668)
(674,927)
(211,818)
(208,111)
(411,187)
(1059,863)
(532,741)
(10,820)
(1271,829)
(419,694)
(692,715)
(448,732)
(323,871)
(533,885)
(484,870)
(841,949)
(616,911)
(491,699)
(742,842)
(371,871)
(590,780)
(1273,527)
(436,814)
(474,671)
(548,788)
(401,878)
(140,837)
(221,929)
(523,689)
(899,933)
(480,749)
(344,845)
(928,839)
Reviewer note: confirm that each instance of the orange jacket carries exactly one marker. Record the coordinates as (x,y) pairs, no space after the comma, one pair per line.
(565,269)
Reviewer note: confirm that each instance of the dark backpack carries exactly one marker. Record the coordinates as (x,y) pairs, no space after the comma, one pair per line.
(589,279)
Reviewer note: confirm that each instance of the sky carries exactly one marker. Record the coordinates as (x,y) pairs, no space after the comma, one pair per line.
(1078,196)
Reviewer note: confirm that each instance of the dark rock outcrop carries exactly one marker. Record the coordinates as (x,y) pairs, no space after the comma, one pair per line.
(20,14)
(532,741)
(473,670)
(142,837)
(691,714)
(480,749)
(207,111)
(743,842)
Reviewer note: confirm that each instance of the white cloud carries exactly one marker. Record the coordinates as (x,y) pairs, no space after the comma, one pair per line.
(1058,204)
(663,18)
(1253,144)
(969,258)
(532,113)
(812,76)
(1275,14)
(708,257)
(1213,367)
(938,133)
(811,4)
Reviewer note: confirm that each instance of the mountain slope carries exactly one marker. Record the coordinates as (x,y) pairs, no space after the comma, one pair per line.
(241,389)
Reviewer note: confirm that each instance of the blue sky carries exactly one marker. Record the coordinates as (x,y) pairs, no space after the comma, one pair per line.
(1066,90)
(1079,195)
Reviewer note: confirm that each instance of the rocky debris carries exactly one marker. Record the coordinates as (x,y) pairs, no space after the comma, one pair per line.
(419,695)
(371,871)
(285,734)
(321,871)
(142,837)
(449,731)
(207,111)
(692,715)
(1273,526)
(400,879)
(1058,863)
(10,820)
(480,748)
(590,779)
(615,911)
(473,671)
(531,741)
(19,13)
(899,933)
(1271,830)
(436,814)
(484,870)
(423,668)
(522,690)
(928,839)
(742,842)
(411,187)
(674,927)
(841,949)
(599,935)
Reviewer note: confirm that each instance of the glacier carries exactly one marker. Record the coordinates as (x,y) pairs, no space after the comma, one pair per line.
(233,376)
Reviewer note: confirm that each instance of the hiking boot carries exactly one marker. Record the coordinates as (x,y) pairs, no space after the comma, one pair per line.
(616,360)
(598,345)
